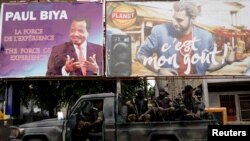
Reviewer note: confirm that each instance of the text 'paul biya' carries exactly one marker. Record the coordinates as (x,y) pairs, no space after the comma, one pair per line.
(30,15)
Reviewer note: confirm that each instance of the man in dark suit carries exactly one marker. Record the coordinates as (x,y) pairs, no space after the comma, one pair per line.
(77,57)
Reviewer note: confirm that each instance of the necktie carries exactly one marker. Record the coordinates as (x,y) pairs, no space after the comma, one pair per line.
(82,59)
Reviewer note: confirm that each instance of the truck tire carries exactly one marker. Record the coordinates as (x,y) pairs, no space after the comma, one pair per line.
(164,138)
(35,140)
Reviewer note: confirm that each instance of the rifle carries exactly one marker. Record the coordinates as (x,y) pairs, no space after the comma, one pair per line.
(160,113)
(135,107)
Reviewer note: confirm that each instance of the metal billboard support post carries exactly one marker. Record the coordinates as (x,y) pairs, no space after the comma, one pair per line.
(118,86)
(118,92)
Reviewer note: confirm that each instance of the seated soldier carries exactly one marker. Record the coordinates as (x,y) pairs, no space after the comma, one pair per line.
(139,108)
(201,106)
(190,111)
(179,106)
(164,106)
(92,124)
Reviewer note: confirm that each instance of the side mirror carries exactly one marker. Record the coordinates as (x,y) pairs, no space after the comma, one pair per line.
(60,116)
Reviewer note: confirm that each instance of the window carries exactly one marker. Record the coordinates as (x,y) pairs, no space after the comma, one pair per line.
(228,101)
(245,107)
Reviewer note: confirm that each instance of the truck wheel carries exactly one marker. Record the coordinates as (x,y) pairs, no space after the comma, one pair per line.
(35,140)
(164,138)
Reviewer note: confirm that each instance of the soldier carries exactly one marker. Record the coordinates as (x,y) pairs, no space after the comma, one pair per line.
(201,106)
(189,101)
(164,106)
(199,102)
(179,105)
(139,108)
(93,122)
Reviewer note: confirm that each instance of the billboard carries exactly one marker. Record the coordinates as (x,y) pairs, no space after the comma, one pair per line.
(177,38)
(47,39)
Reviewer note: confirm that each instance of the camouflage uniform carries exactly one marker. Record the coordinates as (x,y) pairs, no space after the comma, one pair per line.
(179,106)
(190,103)
(201,106)
(89,125)
(139,108)
(168,111)
(186,105)
(163,106)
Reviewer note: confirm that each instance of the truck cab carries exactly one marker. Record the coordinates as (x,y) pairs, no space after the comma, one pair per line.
(66,129)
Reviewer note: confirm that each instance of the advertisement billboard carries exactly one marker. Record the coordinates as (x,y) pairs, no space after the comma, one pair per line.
(47,39)
(177,38)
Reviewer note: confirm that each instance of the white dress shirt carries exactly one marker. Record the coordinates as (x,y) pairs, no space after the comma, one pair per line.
(84,50)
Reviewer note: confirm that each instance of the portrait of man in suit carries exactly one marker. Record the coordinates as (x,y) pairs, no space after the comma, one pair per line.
(78,57)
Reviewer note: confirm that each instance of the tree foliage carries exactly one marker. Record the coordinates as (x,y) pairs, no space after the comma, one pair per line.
(2,88)
(51,95)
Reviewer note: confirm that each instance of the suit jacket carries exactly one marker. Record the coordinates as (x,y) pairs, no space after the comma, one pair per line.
(166,34)
(59,54)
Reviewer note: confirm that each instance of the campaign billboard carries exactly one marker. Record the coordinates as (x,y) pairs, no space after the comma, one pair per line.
(177,38)
(47,39)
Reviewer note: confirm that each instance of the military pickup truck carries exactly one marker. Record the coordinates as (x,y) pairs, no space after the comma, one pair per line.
(114,126)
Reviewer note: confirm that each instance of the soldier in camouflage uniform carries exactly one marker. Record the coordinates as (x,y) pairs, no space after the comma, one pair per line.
(93,122)
(199,102)
(186,104)
(201,106)
(139,108)
(178,105)
(190,111)
(164,106)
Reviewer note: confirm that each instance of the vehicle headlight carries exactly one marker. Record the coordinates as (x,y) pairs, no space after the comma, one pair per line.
(16,132)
